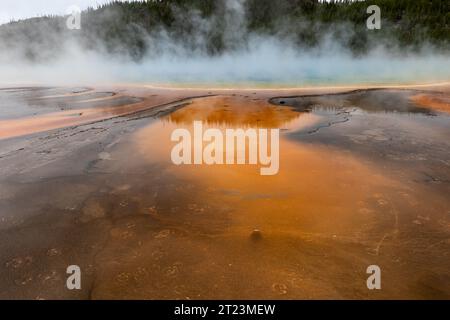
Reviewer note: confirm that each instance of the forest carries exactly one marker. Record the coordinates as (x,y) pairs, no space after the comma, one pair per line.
(212,27)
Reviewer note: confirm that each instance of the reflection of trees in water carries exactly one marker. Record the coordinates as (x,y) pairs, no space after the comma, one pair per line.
(369,100)
(219,111)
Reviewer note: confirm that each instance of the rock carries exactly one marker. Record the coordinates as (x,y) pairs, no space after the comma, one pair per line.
(256,235)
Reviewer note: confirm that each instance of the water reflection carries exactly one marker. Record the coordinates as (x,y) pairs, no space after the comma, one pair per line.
(27,111)
(372,101)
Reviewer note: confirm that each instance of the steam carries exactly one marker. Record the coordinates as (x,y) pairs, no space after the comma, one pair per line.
(249,58)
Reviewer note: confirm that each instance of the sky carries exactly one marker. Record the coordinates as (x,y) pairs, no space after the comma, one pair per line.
(21,9)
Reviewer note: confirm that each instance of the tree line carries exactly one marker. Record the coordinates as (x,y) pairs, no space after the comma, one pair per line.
(126,27)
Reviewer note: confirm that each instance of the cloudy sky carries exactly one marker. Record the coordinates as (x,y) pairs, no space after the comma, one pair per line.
(20,9)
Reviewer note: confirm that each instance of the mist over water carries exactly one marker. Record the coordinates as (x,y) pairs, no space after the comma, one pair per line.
(251,59)
(265,62)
